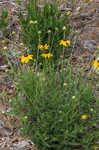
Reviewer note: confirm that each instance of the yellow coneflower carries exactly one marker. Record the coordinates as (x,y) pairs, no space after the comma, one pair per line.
(26,58)
(68,42)
(40,46)
(46,46)
(95,63)
(64,42)
(47,55)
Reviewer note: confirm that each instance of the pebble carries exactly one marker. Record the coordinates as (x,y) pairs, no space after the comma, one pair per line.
(78,8)
(4,131)
(89,45)
(22,145)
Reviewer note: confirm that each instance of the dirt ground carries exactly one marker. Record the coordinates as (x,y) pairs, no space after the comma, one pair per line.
(85,39)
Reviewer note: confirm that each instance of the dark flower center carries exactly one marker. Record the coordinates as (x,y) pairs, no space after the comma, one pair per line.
(25,55)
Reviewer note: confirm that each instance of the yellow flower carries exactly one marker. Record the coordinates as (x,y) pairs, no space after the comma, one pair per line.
(68,13)
(40,46)
(46,46)
(73,97)
(30,56)
(64,84)
(64,43)
(26,58)
(64,28)
(43,47)
(95,63)
(46,55)
(5,48)
(68,42)
(84,117)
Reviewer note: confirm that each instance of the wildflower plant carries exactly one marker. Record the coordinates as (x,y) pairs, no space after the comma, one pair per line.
(58,112)
(55,108)
(43,25)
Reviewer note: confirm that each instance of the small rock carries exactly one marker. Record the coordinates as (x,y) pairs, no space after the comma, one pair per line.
(22,145)
(1,124)
(88,76)
(4,67)
(97,10)
(78,8)
(5,132)
(89,45)
(10,91)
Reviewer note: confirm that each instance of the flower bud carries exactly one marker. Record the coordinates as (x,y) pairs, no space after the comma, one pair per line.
(39,32)
(49,31)
(64,28)
(5,48)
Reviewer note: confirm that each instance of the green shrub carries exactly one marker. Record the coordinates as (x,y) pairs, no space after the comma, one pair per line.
(57,110)
(44,25)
